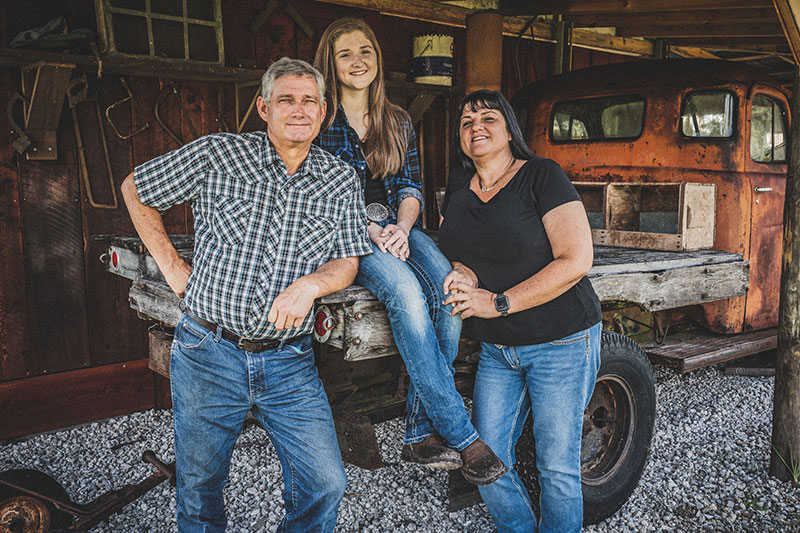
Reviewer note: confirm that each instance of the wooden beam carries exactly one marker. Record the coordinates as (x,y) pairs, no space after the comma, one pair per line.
(789,15)
(447,15)
(703,30)
(761,15)
(621,7)
(785,450)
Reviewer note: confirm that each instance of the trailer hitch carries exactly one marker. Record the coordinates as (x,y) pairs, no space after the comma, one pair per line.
(34,501)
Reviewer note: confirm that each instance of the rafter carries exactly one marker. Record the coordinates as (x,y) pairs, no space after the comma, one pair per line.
(670,18)
(621,7)
(726,30)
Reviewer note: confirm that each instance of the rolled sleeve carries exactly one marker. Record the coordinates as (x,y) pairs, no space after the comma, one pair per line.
(172,178)
(352,238)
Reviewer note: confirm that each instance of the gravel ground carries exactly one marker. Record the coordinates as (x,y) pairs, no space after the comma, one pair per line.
(708,471)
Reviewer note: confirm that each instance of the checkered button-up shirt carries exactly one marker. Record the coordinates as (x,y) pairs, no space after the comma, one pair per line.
(341,140)
(257,229)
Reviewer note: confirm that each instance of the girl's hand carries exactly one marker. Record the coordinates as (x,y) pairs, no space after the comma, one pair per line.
(396,241)
(471,301)
(375,231)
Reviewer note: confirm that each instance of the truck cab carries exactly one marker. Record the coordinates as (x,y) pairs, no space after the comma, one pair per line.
(675,121)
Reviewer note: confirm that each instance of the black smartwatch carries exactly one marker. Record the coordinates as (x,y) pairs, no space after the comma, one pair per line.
(501,304)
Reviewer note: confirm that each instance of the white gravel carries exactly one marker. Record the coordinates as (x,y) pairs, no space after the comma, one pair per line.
(708,471)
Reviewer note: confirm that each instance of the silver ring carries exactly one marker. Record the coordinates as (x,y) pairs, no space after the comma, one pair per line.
(462,306)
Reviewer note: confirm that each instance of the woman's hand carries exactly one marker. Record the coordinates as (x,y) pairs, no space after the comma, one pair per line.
(471,301)
(395,241)
(460,274)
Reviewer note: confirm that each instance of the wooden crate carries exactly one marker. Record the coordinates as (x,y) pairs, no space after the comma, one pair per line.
(651,216)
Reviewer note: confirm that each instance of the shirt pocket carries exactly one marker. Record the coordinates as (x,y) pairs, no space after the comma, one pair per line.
(316,239)
(231,218)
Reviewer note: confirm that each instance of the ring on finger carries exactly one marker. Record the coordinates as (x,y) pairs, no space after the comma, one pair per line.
(462,307)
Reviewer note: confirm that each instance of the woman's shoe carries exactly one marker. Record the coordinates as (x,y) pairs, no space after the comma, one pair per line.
(432,453)
(481,465)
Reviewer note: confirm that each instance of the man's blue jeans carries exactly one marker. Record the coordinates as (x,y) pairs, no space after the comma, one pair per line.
(426,336)
(214,383)
(554,382)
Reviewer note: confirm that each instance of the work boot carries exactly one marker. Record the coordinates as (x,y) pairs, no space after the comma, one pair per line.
(432,453)
(481,465)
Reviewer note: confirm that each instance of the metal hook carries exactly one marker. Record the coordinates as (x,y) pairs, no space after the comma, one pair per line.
(120,102)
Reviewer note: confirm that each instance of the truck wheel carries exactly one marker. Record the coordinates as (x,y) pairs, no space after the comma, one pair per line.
(23,513)
(618,429)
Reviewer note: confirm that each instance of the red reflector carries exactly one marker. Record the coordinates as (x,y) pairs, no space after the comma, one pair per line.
(319,323)
(114,259)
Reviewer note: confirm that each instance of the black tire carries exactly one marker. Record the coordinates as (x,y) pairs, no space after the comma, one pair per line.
(618,430)
(40,483)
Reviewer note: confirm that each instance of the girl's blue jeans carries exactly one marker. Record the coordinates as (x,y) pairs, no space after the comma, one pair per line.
(426,336)
(554,382)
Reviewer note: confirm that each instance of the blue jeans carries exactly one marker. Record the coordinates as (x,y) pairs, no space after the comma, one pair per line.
(554,381)
(214,383)
(426,336)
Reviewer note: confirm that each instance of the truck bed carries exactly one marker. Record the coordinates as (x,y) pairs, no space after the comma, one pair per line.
(656,280)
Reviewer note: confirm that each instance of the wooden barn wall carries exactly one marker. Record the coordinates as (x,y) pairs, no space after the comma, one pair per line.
(65,324)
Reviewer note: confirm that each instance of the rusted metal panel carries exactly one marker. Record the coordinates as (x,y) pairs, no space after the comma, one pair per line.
(14,337)
(54,263)
(45,403)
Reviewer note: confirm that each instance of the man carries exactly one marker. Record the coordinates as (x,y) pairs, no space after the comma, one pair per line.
(278,223)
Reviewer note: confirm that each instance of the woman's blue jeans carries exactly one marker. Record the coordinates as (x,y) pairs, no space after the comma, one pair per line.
(554,382)
(426,336)
(214,383)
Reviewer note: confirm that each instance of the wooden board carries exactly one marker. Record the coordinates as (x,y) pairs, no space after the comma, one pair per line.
(50,402)
(695,349)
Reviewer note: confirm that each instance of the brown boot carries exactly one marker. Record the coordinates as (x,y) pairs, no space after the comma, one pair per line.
(432,453)
(481,465)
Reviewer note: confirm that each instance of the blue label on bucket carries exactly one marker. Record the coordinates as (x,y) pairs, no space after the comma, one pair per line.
(432,66)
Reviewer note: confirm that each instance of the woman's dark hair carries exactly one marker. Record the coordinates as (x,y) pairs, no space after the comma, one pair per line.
(484,99)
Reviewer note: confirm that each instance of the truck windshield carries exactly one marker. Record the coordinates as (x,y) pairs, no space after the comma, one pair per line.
(606,117)
(708,114)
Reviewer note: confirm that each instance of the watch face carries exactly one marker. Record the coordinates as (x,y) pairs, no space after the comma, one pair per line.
(501,302)
(377,212)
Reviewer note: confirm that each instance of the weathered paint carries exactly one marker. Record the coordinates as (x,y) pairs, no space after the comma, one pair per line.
(663,154)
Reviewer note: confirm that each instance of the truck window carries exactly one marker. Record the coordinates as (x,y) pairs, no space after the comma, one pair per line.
(707,114)
(767,131)
(607,117)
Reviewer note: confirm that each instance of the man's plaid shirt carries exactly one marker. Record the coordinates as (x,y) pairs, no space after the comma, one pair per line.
(256,229)
(341,140)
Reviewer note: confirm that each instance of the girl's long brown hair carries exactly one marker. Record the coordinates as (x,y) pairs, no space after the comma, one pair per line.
(387,136)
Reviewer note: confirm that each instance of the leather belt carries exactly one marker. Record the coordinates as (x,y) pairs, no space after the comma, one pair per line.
(249,345)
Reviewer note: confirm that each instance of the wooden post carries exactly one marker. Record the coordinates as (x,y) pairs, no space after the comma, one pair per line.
(484,51)
(786,409)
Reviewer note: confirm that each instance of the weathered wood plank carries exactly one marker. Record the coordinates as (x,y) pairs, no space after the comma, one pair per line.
(154,299)
(675,288)
(695,349)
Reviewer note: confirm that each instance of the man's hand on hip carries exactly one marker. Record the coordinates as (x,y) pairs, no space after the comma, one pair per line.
(291,307)
(177,276)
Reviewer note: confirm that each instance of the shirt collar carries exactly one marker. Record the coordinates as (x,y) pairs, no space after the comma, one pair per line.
(312,165)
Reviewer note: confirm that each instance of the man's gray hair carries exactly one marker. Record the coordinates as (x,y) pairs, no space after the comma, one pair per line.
(286,66)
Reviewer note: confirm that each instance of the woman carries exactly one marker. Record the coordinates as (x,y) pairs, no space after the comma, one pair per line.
(406,270)
(520,244)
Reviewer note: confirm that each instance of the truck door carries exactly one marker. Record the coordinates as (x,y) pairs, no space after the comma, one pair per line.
(766,171)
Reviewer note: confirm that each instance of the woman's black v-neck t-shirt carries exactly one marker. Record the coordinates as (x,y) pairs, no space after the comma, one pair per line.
(504,242)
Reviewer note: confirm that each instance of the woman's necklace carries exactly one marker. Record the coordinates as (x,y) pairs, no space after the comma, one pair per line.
(492,186)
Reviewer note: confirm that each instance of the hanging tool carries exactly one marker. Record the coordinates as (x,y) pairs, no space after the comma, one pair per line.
(165,92)
(21,143)
(222,121)
(78,93)
(118,103)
